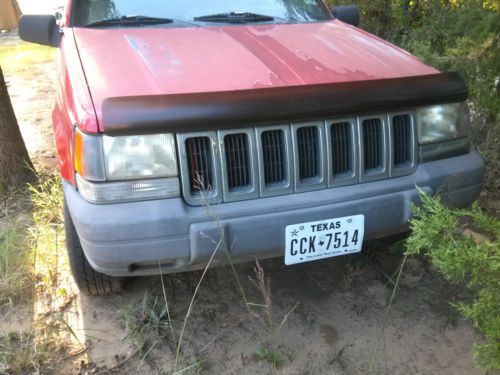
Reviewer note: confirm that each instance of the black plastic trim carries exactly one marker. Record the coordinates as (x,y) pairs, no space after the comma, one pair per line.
(346,13)
(41,29)
(443,150)
(240,108)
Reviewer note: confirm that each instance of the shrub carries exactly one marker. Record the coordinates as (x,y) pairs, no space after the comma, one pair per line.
(464,245)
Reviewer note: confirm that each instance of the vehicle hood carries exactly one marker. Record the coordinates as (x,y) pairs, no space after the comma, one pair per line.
(124,62)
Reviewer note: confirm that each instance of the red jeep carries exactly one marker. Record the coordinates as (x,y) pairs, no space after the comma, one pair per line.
(193,132)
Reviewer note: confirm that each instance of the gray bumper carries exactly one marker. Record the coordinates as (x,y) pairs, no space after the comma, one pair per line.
(129,239)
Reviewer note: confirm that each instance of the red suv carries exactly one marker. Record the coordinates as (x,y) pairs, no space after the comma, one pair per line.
(193,132)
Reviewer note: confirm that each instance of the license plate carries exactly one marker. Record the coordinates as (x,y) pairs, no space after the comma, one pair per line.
(324,239)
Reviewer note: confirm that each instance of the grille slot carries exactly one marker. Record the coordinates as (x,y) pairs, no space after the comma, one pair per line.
(372,144)
(200,165)
(402,140)
(274,155)
(341,144)
(237,161)
(309,153)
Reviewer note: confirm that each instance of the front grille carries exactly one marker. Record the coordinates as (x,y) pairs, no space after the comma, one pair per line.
(232,165)
(372,144)
(341,145)
(273,153)
(309,153)
(237,161)
(199,160)
(402,138)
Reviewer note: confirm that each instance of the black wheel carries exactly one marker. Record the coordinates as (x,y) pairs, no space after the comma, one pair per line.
(88,280)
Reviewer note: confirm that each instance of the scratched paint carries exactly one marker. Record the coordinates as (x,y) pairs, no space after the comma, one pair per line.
(159,61)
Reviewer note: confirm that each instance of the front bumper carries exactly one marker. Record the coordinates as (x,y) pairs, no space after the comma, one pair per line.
(137,238)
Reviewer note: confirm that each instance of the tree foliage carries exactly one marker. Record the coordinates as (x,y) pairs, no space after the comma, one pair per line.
(451,35)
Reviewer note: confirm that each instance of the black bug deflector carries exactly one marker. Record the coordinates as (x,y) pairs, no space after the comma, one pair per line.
(231,109)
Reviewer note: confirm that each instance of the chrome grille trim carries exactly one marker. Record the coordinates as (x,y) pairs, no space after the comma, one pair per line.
(252,190)
(213,195)
(318,182)
(351,177)
(200,163)
(274,157)
(382,171)
(238,161)
(287,186)
(291,183)
(403,170)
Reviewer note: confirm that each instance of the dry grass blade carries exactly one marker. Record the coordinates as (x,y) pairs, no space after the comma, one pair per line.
(263,285)
(107,371)
(285,318)
(166,305)
(386,315)
(212,214)
(191,304)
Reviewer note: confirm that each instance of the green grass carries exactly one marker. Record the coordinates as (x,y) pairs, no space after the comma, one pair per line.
(15,265)
(146,322)
(47,200)
(272,356)
(30,261)
(19,59)
(32,268)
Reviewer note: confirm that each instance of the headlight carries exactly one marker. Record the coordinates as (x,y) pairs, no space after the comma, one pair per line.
(145,165)
(140,156)
(443,122)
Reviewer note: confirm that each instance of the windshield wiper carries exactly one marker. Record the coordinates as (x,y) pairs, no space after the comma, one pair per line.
(235,17)
(130,21)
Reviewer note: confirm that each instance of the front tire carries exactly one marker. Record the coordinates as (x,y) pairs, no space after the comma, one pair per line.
(89,281)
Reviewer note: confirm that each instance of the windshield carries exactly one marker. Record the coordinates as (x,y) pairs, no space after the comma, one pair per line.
(86,12)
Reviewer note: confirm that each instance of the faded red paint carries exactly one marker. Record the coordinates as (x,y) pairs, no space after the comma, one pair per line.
(73,105)
(95,64)
(149,61)
(67,13)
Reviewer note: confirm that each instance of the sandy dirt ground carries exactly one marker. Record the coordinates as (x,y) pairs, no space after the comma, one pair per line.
(333,329)
(326,316)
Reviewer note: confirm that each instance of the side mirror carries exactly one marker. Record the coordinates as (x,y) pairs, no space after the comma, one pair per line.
(347,13)
(41,29)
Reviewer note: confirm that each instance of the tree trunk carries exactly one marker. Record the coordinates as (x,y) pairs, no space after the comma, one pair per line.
(9,15)
(16,168)
(17,10)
